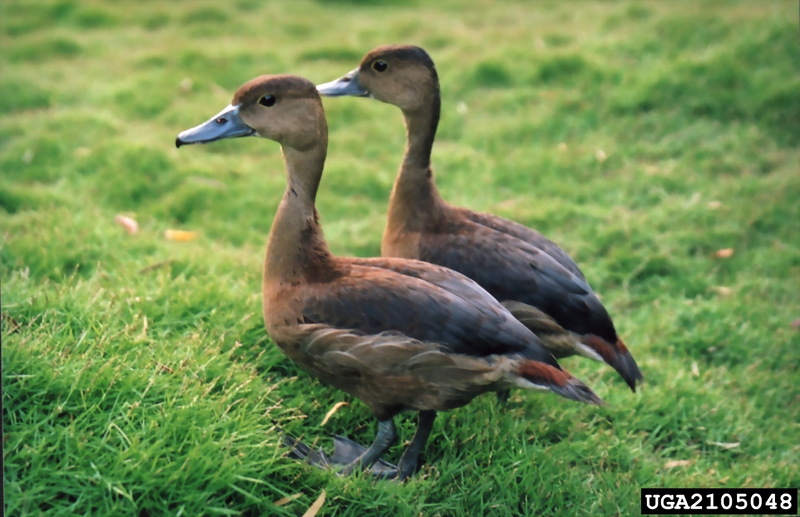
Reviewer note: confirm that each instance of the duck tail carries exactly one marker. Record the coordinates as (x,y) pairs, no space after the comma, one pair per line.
(537,375)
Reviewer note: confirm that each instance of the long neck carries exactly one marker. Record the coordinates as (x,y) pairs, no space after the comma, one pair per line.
(414,195)
(421,127)
(296,246)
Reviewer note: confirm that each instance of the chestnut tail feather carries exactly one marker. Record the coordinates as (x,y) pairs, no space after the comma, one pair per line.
(558,381)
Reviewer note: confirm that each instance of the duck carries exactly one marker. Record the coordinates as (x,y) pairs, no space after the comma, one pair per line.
(530,274)
(398,334)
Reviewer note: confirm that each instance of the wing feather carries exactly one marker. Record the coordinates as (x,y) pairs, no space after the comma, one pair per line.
(525,234)
(511,269)
(423,302)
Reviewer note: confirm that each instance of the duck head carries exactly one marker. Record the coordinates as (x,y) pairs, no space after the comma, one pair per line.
(403,75)
(283,108)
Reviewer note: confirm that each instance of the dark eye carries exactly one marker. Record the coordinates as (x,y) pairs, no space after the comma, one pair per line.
(267,100)
(380,65)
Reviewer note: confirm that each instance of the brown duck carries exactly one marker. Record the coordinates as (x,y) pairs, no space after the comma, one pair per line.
(398,334)
(534,278)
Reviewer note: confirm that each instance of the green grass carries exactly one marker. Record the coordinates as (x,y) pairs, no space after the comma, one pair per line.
(643,137)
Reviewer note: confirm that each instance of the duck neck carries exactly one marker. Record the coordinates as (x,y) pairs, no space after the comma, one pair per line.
(414,190)
(296,246)
(421,126)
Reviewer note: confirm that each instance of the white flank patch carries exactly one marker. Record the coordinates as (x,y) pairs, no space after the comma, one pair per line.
(528,385)
(589,352)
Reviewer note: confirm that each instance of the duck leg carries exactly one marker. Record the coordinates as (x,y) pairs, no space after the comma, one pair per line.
(352,454)
(345,451)
(503,396)
(409,461)
(383,440)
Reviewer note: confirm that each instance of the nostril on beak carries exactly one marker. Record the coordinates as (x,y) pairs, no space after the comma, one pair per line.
(221,120)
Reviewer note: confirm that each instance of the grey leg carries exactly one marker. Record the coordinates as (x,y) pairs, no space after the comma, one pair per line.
(502,396)
(346,450)
(383,440)
(410,459)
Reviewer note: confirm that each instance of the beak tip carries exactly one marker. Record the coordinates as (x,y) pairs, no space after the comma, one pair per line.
(178,143)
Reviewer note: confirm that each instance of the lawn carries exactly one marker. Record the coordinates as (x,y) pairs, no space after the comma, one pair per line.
(657,142)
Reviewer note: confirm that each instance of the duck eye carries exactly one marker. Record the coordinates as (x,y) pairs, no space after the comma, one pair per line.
(267,100)
(380,65)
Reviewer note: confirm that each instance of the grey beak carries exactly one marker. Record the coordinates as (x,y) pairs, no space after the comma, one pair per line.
(225,124)
(346,85)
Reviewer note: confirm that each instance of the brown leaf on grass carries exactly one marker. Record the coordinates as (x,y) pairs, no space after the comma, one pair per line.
(714,205)
(724,253)
(333,410)
(795,324)
(180,235)
(600,155)
(677,463)
(316,505)
(722,290)
(128,223)
(286,500)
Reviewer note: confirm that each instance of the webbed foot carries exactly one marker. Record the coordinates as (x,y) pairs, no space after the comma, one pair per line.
(345,452)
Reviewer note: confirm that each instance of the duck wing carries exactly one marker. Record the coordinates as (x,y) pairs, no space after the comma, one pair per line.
(525,234)
(440,276)
(512,269)
(423,302)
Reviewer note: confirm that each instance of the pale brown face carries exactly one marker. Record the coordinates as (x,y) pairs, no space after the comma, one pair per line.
(401,75)
(286,109)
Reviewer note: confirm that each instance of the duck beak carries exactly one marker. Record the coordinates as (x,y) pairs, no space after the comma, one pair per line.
(346,85)
(225,124)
